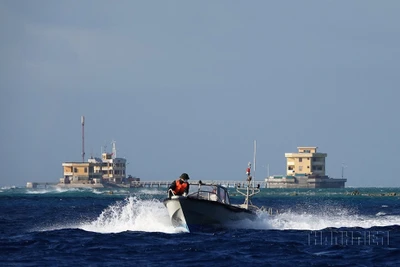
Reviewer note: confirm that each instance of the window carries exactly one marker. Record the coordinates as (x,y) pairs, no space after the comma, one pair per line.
(75,170)
(85,170)
(290,168)
(300,168)
(300,159)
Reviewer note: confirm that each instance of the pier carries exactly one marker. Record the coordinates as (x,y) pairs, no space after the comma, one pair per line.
(40,185)
(148,184)
(219,182)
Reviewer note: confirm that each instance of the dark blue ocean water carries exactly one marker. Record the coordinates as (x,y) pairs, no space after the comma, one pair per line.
(131,227)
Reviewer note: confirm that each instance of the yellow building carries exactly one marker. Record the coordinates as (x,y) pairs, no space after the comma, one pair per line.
(307,161)
(305,169)
(97,171)
(80,173)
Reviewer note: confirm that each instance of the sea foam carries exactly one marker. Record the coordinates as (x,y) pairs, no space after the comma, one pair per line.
(132,214)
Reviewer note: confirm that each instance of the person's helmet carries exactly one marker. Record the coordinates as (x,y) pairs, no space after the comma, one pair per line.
(184,176)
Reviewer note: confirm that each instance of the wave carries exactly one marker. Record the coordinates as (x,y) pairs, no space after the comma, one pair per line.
(332,217)
(131,214)
(141,211)
(53,190)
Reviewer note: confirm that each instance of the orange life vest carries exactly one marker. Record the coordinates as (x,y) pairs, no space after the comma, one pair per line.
(180,187)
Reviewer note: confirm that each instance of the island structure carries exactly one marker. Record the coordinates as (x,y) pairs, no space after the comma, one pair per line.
(305,169)
(107,171)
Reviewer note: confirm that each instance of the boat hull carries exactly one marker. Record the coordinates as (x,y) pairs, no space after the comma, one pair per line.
(194,213)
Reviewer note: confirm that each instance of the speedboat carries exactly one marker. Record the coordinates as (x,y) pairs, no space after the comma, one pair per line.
(209,206)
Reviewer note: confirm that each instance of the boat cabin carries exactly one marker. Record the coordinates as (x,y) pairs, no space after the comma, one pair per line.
(209,192)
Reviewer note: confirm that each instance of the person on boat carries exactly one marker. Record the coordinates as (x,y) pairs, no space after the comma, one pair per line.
(180,187)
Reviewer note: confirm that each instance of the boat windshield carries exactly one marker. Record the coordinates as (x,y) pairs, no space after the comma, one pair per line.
(209,192)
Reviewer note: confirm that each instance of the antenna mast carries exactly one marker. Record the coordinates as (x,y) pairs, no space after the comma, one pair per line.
(83,138)
(254,163)
(114,149)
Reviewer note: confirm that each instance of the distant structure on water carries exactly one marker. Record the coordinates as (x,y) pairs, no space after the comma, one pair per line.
(305,169)
(97,172)
(107,171)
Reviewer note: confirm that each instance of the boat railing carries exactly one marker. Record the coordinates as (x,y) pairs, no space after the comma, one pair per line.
(248,193)
(209,194)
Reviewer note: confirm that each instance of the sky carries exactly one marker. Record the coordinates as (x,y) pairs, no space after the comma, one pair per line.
(187,86)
